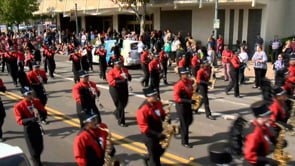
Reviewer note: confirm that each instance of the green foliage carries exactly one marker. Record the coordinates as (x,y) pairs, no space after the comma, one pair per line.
(17,11)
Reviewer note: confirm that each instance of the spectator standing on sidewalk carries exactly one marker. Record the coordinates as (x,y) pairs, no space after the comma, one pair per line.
(260,65)
(275,44)
(226,55)
(243,57)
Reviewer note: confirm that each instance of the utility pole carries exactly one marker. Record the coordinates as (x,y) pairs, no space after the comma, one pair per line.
(76,17)
(215,18)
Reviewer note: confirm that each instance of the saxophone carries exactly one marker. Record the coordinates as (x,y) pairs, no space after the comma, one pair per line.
(279,154)
(168,129)
(198,98)
(291,120)
(108,159)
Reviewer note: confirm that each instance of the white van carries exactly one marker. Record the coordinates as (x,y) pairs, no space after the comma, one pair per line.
(130,53)
(12,156)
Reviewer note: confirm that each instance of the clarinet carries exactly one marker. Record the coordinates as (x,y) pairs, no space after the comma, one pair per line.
(37,116)
(128,82)
(92,90)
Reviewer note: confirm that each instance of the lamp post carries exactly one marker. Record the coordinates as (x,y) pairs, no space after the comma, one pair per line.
(215,18)
(76,17)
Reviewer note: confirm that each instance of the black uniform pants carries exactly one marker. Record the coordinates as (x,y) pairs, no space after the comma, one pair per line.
(45,64)
(12,66)
(204,92)
(185,115)
(155,150)
(34,140)
(103,69)
(234,83)
(2,116)
(165,68)
(259,76)
(155,83)
(40,93)
(146,75)
(51,66)
(120,98)
(3,62)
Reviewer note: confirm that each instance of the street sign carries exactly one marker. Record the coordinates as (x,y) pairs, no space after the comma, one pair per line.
(216,23)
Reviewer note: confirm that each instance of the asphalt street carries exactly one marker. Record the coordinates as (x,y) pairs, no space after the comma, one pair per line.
(63,127)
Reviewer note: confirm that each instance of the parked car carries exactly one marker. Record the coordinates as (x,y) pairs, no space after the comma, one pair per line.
(12,156)
(108,44)
(130,53)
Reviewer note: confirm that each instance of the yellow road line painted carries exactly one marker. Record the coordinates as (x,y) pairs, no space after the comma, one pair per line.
(127,143)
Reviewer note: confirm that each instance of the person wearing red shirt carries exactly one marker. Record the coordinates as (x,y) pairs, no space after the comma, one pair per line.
(102,53)
(155,70)
(2,109)
(11,61)
(88,48)
(27,113)
(150,116)
(195,64)
(183,91)
(36,78)
(182,62)
(226,56)
(49,60)
(29,59)
(145,60)
(219,45)
(256,146)
(116,55)
(85,93)
(234,75)
(202,79)
(118,78)
(90,144)
(20,57)
(164,57)
(75,57)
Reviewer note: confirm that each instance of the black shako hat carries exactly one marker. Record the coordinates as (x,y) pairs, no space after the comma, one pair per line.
(279,91)
(26,91)
(184,70)
(83,73)
(260,109)
(86,117)
(148,92)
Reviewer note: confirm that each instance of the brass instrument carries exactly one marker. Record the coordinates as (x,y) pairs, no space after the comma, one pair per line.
(168,128)
(279,154)
(212,80)
(37,116)
(197,97)
(108,159)
(291,120)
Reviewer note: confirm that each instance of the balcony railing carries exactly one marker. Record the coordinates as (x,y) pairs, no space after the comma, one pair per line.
(195,1)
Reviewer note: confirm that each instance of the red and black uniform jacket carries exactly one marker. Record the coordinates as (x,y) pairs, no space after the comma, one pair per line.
(20,55)
(88,49)
(24,113)
(149,119)
(163,57)
(90,145)
(71,48)
(256,147)
(181,62)
(234,63)
(29,58)
(203,76)
(196,62)
(102,53)
(76,61)
(37,77)
(49,53)
(145,58)
(10,56)
(114,57)
(85,94)
(115,78)
(183,90)
(278,112)
(291,74)
(155,68)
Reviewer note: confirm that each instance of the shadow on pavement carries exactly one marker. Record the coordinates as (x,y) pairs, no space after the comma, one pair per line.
(47,163)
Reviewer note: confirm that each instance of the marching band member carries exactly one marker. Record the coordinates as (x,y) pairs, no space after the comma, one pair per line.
(11,62)
(164,61)
(29,59)
(155,70)
(36,78)
(2,110)
(89,47)
(85,94)
(117,55)
(49,60)
(183,91)
(234,75)
(195,64)
(226,56)
(102,53)
(256,146)
(75,57)
(91,143)
(26,116)
(203,76)
(118,78)
(149,119)
(145,60)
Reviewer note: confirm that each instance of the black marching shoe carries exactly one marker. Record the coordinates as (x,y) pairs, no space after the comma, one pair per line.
(122,124)
(211,117)
(44,122)
(187,146)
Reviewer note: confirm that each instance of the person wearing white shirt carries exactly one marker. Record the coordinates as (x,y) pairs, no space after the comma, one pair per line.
(243,57)
(83,39)
(174,47)
(140,45)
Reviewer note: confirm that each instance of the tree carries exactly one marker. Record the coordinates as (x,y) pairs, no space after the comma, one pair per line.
(17,11)
(138,7)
